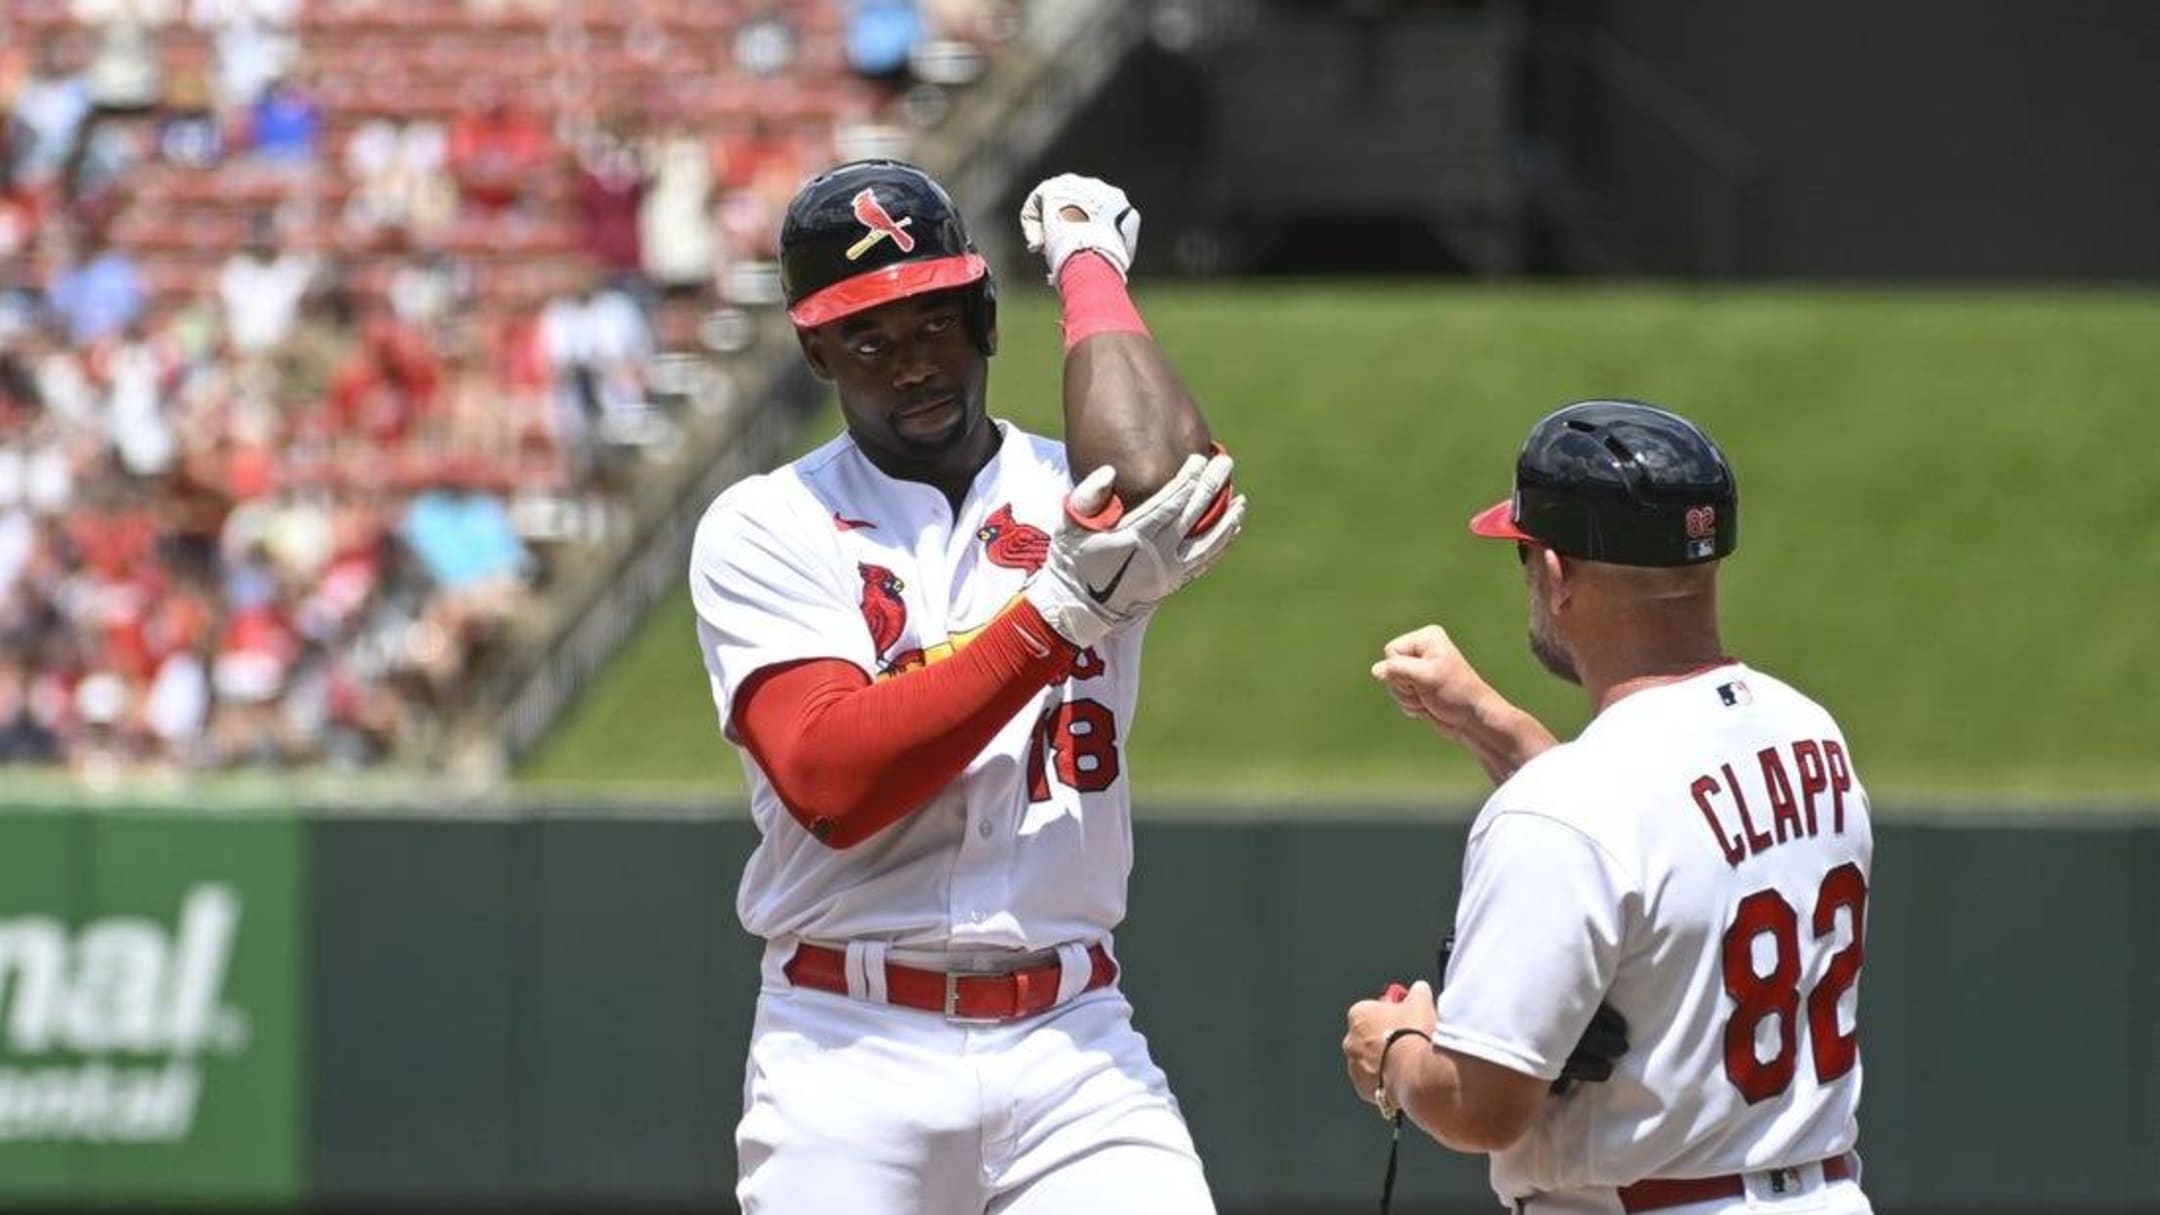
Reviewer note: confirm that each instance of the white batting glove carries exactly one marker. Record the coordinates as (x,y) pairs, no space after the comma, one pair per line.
(1106,568)
(1109,223)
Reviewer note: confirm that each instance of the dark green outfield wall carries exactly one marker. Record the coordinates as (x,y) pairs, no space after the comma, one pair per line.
(550,1012)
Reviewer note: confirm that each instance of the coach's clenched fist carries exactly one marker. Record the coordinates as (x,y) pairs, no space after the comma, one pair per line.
(1429,679)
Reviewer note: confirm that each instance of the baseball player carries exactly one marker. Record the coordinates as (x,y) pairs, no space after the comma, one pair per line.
(1698,858)
(924,639)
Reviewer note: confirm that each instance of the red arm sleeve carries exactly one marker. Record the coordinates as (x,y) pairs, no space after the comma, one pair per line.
(850,758)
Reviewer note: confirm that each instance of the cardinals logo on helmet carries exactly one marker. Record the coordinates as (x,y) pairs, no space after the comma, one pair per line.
(882,607)
(879,224)
(1011,543)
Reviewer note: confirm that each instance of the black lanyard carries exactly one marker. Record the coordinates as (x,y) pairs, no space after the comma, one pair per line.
(1394,1150)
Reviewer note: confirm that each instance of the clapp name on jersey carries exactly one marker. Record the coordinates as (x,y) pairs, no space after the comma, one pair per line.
(1822,769)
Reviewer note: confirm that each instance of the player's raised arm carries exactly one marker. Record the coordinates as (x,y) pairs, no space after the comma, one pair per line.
(850,756)
(1125,406)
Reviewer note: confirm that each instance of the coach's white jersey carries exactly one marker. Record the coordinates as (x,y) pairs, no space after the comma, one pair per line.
(830,558)
(1699,857)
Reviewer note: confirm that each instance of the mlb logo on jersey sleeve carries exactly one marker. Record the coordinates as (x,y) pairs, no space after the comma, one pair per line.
(1735,694)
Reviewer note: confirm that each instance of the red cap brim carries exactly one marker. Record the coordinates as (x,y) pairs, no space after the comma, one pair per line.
(1497,522)
(895,282)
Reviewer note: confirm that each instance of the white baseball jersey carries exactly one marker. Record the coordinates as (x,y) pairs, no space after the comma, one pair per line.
(830,558)
(1698,857)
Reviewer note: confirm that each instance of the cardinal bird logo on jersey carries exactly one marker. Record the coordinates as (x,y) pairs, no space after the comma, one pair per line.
(1013,544)
(882,608)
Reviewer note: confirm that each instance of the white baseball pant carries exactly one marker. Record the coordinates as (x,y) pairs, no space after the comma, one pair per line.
(878,1110)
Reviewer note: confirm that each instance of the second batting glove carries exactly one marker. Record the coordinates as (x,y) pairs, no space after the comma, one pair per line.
(1108,566)
(1109,223)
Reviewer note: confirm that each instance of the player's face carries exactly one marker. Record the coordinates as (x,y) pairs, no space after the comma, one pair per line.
(1545,641)
(910,377)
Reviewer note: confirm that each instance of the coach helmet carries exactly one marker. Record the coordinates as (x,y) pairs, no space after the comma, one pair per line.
(873,231)
(1620,482)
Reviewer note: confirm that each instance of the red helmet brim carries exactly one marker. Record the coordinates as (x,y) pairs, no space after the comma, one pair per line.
(882,286)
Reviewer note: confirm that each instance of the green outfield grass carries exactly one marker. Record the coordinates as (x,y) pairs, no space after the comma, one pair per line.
(1951,528)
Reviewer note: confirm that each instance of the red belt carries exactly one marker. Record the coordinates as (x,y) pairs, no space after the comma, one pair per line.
(1659,1192)
(959,995)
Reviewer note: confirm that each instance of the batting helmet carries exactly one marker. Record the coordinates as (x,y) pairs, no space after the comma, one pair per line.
(873,231)
(1621,482)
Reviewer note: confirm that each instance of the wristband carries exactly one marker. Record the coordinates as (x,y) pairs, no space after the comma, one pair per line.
(1095,300)
(1387,1105)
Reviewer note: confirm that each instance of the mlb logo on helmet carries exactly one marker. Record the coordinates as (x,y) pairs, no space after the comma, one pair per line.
(1701,531)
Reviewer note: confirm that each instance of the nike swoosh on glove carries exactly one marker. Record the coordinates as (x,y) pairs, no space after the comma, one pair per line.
(1107,565)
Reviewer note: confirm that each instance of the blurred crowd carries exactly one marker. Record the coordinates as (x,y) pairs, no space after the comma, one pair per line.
(328,328)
